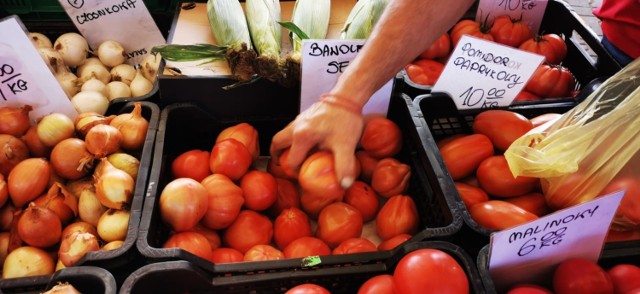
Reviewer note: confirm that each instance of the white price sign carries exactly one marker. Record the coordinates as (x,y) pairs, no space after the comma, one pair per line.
(530,12)
(485,74)
(126,21)
(529,252)
(25,79)
(323,61)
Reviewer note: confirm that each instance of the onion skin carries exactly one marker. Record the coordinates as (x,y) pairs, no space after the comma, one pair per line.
(12,152)
(115,188)
(15,120)
(35,146)
(85,121)
(4,191)
(71,160)
(62,288)
(6,216)
(75,245)
(89,207)
(113,225)
(39,227)
(103,140)
(27,261)
(60,201)
(112,245)
(28,180)
(79,226)
(125,162)
(54,128)
(133,128)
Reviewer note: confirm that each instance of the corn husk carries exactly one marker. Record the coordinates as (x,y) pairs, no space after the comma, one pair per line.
(263,17)
(228,23)
(362,19)
(312,17)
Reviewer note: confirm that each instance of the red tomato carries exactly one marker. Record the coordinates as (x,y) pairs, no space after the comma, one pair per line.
(225,201)
(529,289)
(629,209)
(463,155)
(544,118)
(471,28)
(308,289)
(313,204)
(440,48)
(499,215)
(446,140)
(527,96)
(509,31)
(291,224)
(625,277)
(211,235)
(380,284)
(245,134)
(362,197)
(496,178)
(551,46)
(399,215)
(306,246)
(390,177)
(191,164)
(367,165)
(226,255)
(263,252)
(355,245)
(430,269)
(288,172)
(192,242)
(381,137)
(551,81)
(338,222)
(287,197)
(501,126)
(470,194)
(317,176)
(579,275)
(260,190)
(249,229)
(183,202)
(565,190)
(230,158)
(393,242)
(533,202)
(617,236)
(424,72)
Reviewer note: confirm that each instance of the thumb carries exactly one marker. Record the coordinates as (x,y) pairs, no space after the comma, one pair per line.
(345,166)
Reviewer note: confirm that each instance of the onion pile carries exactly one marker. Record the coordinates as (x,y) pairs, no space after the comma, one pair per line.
(92,79)
(65,186)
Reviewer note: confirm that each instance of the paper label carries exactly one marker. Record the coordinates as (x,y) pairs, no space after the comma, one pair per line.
(529,252)
(485,74)
(323,61)
(530,11)
(25,79)
(126,21)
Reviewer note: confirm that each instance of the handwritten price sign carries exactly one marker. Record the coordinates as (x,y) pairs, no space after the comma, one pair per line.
(484,74)
(529,252)
(323,61)
(530,11)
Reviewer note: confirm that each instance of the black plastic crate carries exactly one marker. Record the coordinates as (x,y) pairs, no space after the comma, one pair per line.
(185,126)
(181,276)
(559,18)
(86,279)
(608,259)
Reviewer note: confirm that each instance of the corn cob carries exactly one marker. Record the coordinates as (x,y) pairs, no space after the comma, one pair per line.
(263,17)
(312,17)
(362,19)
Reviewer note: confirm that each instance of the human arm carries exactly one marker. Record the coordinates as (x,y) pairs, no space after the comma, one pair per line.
(405,29)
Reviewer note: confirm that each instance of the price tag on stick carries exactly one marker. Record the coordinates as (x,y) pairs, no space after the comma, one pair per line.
(323,61)
(126,21)
(530,11)
(528,253)
(25,79)
(485,74)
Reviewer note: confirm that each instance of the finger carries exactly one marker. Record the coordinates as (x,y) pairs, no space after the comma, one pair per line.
(299,149)
(281,141)
(345,166)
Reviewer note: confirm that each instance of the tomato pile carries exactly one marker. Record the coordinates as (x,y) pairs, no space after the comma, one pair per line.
(550,80)
(65,186)
(237,212)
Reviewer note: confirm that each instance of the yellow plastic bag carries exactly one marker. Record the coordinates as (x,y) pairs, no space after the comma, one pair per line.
(579,154)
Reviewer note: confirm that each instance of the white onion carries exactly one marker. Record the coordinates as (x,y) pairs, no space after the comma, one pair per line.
(140,86)
(98,71)
(111,53)
(123,72)
(69,83)
(149,66)
(90,101)
(113,225)
(95,85)
(40,40)
(117,89)
(53,59)
(89,207)
(89,62)
(73,47)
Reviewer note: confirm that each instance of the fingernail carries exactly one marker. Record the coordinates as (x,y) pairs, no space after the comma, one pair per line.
(346,182)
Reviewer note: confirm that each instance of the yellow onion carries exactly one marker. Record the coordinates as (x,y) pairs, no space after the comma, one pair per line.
(4,191)
(102,140)
(126,162)
(6,216)
(114,188)
(27,261)
(79,226)
(89,207)
(14,120)
(54,128)
(28,180)
(71,159)
(12,151)
(4,245)
(76,187)
(60,201)
(113,225)
(39,227)
(85,121)
(75,245)
(112,245)
(62,288)
(35,146)
(59,265)
(133,128)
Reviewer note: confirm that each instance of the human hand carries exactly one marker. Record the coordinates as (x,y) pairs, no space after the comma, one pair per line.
(325,125)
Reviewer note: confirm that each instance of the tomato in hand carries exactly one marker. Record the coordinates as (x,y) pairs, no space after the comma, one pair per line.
(355,245)
(551,81)
(399,215)
(191,164)
(510,31)
(225,201)
(390,177)
(440,48)
(291,224)
(496,178)
(306,246)
(362,197)
(230,158)
(580,275)
(260,190)
(499,215)
(249,229)
(470,194)
(338,222)
(551,46)
(471,28)
(463,155)
(501,126)
(430,269)
(381,137)
(317,176)
(380,284)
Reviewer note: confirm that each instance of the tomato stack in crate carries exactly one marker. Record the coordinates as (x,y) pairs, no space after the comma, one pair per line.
(559,20)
